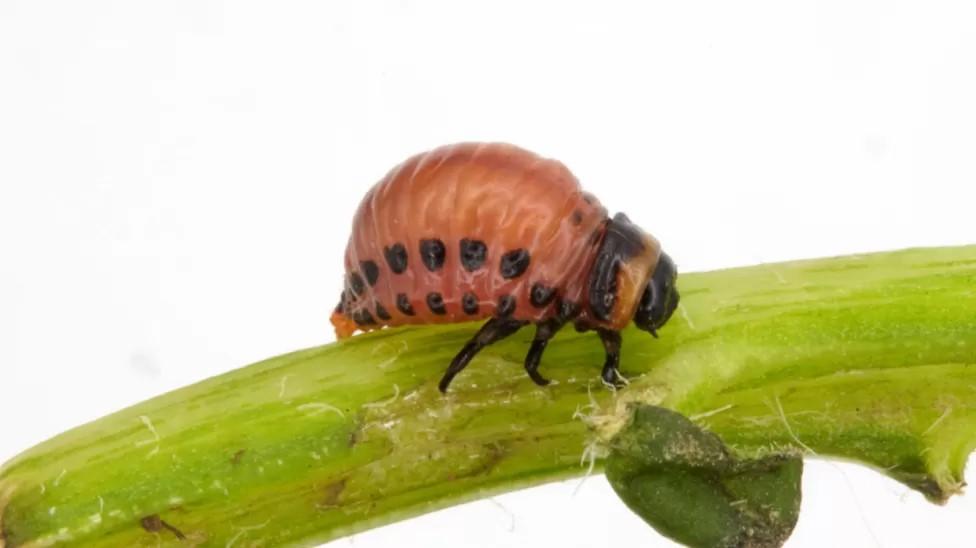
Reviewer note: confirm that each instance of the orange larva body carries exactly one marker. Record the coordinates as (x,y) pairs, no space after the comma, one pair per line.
(497,195)
(474,231)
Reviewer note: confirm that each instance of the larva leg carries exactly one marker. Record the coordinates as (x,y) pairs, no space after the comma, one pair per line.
(544,331)
(611,343)
(494,329)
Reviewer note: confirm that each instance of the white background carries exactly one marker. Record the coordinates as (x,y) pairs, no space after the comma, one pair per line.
(177,181)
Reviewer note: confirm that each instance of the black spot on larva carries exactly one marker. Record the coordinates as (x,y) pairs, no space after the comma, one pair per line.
(469,302)
(435,302)
(403,304)
(396,258)
(577,217)
(432,253)
(381,312)
(514,263)
(568,310)
(371,271)
(356,283)
(541,295)
(363,317)
(473,253)
(506,306)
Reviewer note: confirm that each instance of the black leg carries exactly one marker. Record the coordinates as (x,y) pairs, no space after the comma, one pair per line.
(543,332)
(494,330)
(611,343)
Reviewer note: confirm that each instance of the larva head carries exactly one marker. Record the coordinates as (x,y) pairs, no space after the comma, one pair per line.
(660,297)
(631,280)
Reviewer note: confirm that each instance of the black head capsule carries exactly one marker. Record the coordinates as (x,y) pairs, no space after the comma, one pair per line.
(660,298)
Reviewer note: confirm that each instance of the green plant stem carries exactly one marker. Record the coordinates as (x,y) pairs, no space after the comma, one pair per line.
(871,358)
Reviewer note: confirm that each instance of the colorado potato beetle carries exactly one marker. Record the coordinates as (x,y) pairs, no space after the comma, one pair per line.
(491,231)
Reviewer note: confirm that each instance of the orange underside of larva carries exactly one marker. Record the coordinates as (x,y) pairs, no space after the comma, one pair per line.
(344,326)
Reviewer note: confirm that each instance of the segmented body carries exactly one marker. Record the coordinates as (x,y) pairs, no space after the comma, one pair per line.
(475,231)
(468,232)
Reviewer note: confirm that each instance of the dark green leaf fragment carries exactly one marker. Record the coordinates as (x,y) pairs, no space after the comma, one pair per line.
(683,481)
